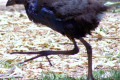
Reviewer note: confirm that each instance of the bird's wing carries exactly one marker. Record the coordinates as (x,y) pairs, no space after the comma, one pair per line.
(64,9)
(68,9)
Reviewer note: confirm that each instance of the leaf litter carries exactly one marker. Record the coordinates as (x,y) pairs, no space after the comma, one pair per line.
(18,33)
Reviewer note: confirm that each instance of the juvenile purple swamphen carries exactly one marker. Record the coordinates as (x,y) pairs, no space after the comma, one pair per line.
(72,18)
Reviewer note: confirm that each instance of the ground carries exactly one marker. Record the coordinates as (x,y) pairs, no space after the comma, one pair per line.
(18,33)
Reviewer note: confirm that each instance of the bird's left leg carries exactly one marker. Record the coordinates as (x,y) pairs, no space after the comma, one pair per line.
(45,53)
(75,50)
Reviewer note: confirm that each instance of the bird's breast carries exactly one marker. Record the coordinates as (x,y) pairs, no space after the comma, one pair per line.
(46,17)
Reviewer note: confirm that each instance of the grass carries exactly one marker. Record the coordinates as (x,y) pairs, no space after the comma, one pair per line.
(7,63)
(107,74)
(53,76)
(112,74)
(98,75)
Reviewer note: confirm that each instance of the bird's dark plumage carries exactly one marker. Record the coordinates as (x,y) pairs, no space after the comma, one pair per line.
(72,18)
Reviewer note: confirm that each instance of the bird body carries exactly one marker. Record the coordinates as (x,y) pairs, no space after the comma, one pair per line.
(72,18)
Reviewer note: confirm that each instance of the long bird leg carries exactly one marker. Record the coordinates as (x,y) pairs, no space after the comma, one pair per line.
(75,50)
(89,53)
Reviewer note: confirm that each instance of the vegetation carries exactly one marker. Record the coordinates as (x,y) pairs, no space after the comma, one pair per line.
(99,75)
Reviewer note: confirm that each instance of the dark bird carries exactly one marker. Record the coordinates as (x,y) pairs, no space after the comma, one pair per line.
(72,18)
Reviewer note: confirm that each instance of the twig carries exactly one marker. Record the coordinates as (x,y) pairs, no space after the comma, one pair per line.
(9,72)
(95,38)
(15,76)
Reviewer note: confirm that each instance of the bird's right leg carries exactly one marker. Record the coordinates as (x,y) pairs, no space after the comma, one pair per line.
(89,53)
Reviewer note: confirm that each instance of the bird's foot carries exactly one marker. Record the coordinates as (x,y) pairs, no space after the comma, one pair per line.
(41,53)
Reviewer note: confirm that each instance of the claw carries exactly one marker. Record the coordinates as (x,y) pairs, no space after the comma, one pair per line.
(30,59)
(49,61)
(42,54)
(25,53)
